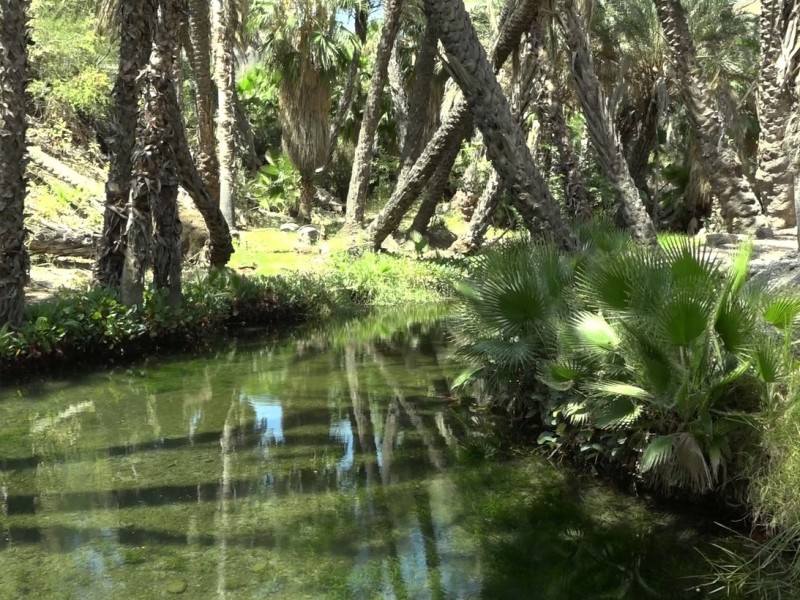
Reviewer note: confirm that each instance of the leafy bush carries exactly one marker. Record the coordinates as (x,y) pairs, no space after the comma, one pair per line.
(276,187)
(658,361)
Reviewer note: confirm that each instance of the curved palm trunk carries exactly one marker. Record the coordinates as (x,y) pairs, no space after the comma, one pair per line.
(200,59)
(504,139)
(222,41)
(470,241)
(135,20)
(740,207)
(14,262)
(456,126)
(601,127)
(435,191)
(775,174)
(155,188)
(362,162)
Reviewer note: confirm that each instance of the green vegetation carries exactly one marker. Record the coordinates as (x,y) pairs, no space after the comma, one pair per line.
(94,323)
(660,365)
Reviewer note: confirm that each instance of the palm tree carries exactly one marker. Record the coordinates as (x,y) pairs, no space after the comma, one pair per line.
(505,142)
(307,46)
(740,207)
(601,126)
(133,21)
(775,174)
(349,92)
(153,204)
(224,74)
(362,162)
(455,127)
(13,158)
(200,60)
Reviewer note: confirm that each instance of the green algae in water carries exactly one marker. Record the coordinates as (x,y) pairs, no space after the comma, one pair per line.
(325,466)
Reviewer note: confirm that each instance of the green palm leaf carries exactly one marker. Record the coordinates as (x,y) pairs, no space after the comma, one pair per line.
(684,318)
(594,334)
(619,413)
(659,451)
(782,312)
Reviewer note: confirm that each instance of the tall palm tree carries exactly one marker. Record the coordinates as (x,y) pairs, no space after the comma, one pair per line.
(133,20)
(740,207)
(153,204)
(225,77)
(601,128)
(308,47)
(13,158)
(775,174)
(200,59)
(505,142)
(362,161)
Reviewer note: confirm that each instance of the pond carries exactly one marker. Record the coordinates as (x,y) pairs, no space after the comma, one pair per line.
(329,464)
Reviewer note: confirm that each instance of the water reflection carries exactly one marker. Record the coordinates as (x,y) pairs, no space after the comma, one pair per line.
(322,467)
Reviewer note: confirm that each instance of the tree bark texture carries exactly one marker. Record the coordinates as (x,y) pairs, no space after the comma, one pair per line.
(419,104)
(14,263)
(155,189)
(397,90)
(600,124)
(740,207)
(362,161)
(135,21)
(200,59)
(222,44)
(434,191)
(505,141)
(550,114)
(775,173)
(471,240)
(455,127)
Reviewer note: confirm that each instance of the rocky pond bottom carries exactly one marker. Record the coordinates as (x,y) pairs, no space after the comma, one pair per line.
(327,465)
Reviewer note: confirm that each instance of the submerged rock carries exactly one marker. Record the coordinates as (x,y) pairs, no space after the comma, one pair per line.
(177,586)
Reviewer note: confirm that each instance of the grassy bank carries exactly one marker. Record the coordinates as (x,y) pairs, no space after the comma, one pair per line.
(91,325)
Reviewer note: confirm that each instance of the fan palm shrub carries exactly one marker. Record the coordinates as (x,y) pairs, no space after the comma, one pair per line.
(659,360)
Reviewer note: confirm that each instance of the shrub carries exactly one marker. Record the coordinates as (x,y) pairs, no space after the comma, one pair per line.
(655,361)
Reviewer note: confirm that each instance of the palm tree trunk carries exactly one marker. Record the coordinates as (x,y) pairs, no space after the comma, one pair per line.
(504,139)
(155,187)
(775,172)
(307,193)
(135,21)
(397,91)
(435,191)
(222,42)
(551,115)
(740,207)
(601,127)
(14,263)
(419,105)
(471,240)
(362,162)
(200,59)
(244,135)
(456,126)
(351,84)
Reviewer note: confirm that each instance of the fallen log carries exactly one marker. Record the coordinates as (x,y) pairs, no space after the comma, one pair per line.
(59,240)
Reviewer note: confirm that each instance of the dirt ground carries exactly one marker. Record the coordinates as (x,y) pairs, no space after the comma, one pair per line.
(776,260)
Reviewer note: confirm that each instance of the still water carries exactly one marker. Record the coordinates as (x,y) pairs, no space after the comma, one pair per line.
(332,464)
